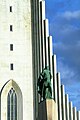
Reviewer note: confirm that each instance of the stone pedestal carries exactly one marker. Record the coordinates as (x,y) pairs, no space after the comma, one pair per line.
(48,110)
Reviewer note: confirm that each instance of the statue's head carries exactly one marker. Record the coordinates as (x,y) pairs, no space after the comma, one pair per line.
(47,67)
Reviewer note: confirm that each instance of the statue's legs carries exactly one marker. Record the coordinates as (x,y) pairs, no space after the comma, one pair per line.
(44,92)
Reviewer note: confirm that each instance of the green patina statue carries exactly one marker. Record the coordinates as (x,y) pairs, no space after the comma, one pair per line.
(44,84)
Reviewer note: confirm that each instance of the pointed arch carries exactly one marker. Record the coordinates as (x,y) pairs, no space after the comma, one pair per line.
(11,87)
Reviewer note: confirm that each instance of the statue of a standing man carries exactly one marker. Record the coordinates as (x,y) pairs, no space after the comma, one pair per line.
(44,84)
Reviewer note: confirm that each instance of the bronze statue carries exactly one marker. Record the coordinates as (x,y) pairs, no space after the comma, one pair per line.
(44,84)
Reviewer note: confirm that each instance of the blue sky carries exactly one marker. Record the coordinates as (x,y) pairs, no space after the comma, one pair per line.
(64,23)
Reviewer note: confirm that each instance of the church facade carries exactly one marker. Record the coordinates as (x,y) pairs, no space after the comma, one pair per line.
(25,50)
(16,60)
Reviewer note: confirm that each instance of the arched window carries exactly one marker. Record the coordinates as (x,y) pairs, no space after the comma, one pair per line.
(12,105)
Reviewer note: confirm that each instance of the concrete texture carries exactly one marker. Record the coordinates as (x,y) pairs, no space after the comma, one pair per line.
(48,110)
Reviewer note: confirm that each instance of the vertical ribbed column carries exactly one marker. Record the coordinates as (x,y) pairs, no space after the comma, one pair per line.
(42,44)
(70,111)
(67,106)
(59,97)
(74,113)
(42,9)
(46,34)
(37,39)
(39,29)
(78,115)
(35,52)
(54,77)
(41,38)
(63,102)
(50,59)
(50,52)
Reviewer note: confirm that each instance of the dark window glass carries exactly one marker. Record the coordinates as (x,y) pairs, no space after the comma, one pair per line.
(11,28)
(11,47)
(11,66)
(12,105)
(10,8)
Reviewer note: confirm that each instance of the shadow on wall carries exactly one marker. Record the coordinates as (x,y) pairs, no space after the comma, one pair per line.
(48,110)
(42,111)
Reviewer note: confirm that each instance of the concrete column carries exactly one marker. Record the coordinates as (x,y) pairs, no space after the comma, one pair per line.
(50,52)
(42,49)
(63,102)
(39,40)
(59,97)
(50,59)
(40,43)
(78,115)
(46,34)
(74,113)
(54,77)
(42,8)
(70,111)
(35,52)
(40,46)
(38,60)
(67,106)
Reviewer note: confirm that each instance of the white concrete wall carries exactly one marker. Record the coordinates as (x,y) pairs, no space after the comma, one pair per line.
(21,56)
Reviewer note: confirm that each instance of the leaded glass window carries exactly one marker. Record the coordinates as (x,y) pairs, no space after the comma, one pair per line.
(12,105)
